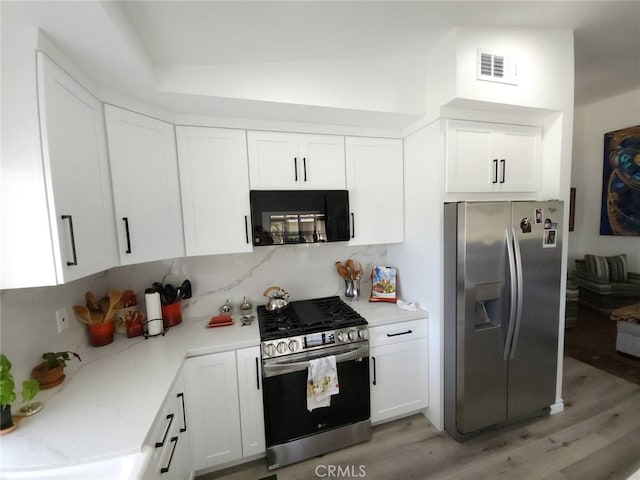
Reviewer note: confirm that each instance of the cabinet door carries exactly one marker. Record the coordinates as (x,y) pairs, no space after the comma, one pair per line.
(376,190)
(213,414)
(520,148)
(146,187)
(76,174)
(323,162)
(273,160)
(489,157)
(399,379)
(471,164)
(251,409)
(214,182)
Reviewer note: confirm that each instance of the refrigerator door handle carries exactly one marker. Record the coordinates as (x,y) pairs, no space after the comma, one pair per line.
(514,295)
(516,332)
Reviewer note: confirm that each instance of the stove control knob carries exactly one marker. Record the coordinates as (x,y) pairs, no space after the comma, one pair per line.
(269,350)
(353,335)
(294,345)
(342,337)
(282,347)
(363,334)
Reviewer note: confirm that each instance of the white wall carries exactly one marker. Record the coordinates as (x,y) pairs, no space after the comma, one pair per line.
(591,123)
(419,258)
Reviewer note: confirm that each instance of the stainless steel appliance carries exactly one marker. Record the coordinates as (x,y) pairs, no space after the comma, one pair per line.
(501,310)
(279,217)
(291,337)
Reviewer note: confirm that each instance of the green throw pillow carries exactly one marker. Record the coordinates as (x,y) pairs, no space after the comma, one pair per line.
(613,268)
(617,268)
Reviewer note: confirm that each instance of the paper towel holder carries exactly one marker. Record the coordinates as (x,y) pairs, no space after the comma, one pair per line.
(162,331)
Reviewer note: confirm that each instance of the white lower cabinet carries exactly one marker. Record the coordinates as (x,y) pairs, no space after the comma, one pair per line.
(224,407)
(169,438)
(251,408)
(399,369)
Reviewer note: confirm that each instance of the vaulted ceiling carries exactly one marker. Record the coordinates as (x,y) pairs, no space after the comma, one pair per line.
(255,58)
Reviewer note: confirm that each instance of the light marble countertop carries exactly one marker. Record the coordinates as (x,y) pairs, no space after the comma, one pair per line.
(107,408)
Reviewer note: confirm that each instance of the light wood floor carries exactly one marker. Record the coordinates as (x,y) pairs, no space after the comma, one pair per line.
(596,437)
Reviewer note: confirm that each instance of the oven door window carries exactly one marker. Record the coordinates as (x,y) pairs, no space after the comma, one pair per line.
(285,403)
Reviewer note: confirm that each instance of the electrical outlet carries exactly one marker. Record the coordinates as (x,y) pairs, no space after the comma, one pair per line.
(62,316)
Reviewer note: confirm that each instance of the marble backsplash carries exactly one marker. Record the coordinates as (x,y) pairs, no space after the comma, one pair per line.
(27,316)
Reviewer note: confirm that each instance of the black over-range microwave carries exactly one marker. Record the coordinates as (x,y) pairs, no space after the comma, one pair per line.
(281,217)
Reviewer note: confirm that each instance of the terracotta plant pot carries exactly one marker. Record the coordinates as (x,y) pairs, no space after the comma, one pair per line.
(47,378)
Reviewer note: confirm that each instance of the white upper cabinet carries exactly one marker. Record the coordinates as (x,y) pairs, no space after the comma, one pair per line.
(214,181)
(146,186)
(291,161)
(491,157)
(376,190)
(77,178)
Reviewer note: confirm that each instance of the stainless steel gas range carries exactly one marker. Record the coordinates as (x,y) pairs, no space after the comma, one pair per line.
(292,338)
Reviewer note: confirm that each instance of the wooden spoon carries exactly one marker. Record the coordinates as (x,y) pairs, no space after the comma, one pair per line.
(96,316)
(351,266)
(82,314)
(342,270)
(91,301)
(114,298)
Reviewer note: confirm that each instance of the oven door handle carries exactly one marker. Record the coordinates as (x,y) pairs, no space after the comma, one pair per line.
(273,369)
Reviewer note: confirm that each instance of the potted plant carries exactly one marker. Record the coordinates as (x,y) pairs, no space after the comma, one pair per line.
(7,393)
(29,390)
(51,372)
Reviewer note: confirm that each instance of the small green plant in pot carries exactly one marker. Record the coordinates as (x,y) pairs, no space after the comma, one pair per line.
(7,392)
(30,388)
(51,372)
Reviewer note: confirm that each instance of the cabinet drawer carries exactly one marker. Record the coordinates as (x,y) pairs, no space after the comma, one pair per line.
(398,332)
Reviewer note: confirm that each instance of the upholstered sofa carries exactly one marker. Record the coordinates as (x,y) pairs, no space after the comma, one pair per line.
(605,283)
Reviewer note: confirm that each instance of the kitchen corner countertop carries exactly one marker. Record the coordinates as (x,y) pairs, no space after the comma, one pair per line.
(106,409)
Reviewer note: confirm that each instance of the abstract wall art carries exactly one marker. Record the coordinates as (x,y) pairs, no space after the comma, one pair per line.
(620,211)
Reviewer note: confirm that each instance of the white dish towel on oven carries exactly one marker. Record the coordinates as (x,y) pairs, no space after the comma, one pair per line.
(322,382)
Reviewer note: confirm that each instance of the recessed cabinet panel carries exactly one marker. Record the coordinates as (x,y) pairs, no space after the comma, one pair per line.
(400,381)
(146,186)
(292,161)
(76,174)
(251,409)
(212,409)
(491,157)
(214,181)
(376,190)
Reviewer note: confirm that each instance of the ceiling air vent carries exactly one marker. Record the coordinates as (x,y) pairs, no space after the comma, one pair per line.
(496,68)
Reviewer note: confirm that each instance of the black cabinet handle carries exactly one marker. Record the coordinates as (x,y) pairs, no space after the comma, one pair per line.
(173,450)
(503,162)
(304,167)
(398,334)
(184,413)
(295,168)
(374,370)
(126,229)
(495,171)
(353,226)
(257,373)
(73,240)
(246,228)
(166,431)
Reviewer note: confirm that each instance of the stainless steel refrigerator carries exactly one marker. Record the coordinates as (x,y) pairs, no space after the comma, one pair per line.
(502,270)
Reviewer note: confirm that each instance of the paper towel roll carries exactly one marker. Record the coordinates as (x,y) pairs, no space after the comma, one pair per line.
(154,312)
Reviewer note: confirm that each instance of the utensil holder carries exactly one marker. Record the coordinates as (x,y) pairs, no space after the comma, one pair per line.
(352,289)
(101,334)
(172,314)
(122,317)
